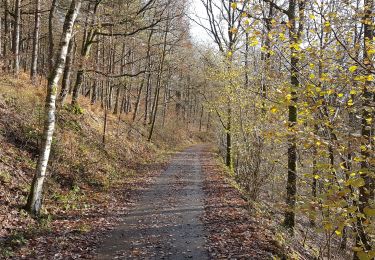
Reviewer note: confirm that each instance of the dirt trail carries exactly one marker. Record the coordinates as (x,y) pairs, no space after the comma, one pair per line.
(165,223)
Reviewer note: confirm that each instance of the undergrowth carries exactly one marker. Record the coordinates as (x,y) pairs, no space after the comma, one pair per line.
(83,171)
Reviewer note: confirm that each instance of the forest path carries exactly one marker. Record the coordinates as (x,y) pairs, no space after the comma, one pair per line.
(165,223)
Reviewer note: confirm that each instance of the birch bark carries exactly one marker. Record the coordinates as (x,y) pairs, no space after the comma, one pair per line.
(34,201)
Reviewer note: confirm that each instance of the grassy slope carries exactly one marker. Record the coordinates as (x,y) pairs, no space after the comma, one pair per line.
(86,181)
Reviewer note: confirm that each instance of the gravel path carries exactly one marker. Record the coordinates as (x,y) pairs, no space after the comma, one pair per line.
(165,223)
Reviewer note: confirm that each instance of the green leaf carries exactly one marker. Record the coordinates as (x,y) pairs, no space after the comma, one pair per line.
(369,212)
(363,255)
(359,182)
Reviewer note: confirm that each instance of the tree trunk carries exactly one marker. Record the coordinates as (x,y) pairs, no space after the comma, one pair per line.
(77,85)
(50,35)
(34,201)
(165,105)
(265,57)
(136,106)
(246,61)
(156,103)
(87,42)
(294,38)
(105,119)
(147,79)
(67,73)
(1,37)
(158,82)
(6,33)
(201,119)
(16,37)
(95,85)
(117,100)
(228,160)
(147,98)
(34,61)
(366,192)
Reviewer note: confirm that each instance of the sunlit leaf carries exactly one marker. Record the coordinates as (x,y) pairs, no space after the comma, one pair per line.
(353,68)
(234,5)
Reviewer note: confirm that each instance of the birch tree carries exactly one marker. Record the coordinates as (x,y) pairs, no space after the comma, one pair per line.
(34,201)
(34,61)
(16,37)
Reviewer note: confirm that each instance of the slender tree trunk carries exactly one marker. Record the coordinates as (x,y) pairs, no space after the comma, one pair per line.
(151,113)
(246,61)
(146,78)
(16,37)
(87,42)
(366,192)
(156,103)
(165,105)
(95,85)
(6,33)
(117,100)
(77,85)
(34,61)
(147,98)
(102,94)
(265,57)
(136,106)
(348,168)
(178,104)
(314,172)
(25,50)
(123,102)
(67,73)
(294,36)
(94,92)
(228,129)
(105,121)
(208,121)
(201,119)
(51,42)
(34,201)
(122,70)
(158,82)
(1,37)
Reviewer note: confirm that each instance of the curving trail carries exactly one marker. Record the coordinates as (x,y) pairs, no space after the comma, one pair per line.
(165,223)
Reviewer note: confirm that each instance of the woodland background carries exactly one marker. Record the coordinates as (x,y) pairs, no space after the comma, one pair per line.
(286,93)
